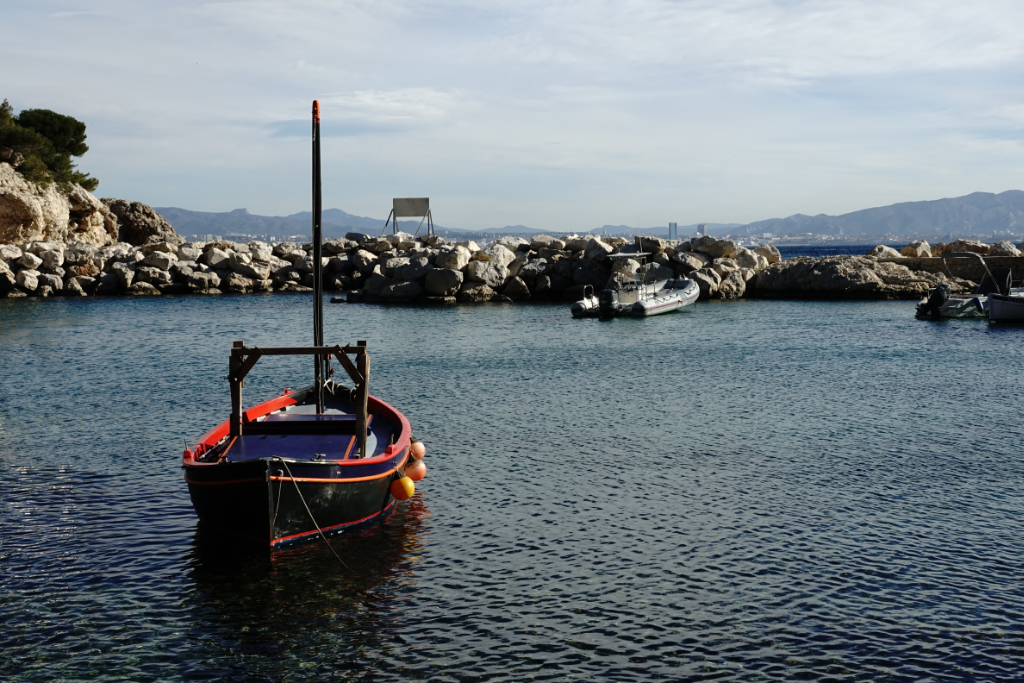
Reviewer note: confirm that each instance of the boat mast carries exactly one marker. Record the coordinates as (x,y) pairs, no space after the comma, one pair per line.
(318,299)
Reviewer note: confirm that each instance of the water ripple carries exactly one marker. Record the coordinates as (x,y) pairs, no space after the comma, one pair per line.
(747,491)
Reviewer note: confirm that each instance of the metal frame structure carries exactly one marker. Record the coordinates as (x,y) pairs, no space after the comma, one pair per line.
(409,207)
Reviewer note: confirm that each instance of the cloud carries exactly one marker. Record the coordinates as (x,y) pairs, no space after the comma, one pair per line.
(552,114)
(374,113)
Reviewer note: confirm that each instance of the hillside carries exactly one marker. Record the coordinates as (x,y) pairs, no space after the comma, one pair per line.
(240,222)
(979,213)
(976,214)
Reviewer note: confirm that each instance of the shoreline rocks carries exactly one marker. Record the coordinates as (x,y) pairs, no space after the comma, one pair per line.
(114,247)
(403,269)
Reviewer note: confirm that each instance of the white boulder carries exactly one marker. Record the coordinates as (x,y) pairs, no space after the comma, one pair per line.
(883,251)
(917,249)
(491,274)
(161,259)
(496,253)
(454,258)
(28,279)
(1004,248)
(770,253)
(715,248)
(30,261)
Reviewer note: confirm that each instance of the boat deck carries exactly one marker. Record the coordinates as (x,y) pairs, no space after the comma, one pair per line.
(297,432)
(291,446)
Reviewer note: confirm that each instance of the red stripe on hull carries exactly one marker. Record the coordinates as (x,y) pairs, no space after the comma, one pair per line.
(307,534)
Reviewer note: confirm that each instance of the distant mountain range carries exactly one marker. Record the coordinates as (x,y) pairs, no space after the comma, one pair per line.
(240,222)
(979,213)
(976,214)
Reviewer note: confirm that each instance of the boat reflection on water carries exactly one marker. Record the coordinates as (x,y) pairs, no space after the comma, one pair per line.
(301,604)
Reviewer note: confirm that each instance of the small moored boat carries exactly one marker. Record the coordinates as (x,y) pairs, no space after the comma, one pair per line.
(941,303)
(1006,307)
(636,298)
(320,460)
(675,295)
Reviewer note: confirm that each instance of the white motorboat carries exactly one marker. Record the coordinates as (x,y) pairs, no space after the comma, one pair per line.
(625,296)
(636,298)
(941,303)
(675,295)
(1006,307)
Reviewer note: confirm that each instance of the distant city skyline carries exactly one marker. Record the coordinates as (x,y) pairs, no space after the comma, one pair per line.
(976,215)
(557,115)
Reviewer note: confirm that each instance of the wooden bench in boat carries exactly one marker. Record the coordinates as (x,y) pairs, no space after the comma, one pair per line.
(292,446)
(283,423)
(296,436)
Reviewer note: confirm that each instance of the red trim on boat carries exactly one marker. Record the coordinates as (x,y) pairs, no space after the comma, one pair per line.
(375,405)
(311,480)
(328,528)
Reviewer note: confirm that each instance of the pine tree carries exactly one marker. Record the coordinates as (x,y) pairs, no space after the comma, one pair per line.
(46,140)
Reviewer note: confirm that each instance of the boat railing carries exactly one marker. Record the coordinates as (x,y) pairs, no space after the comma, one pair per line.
(978,257)
(243,358)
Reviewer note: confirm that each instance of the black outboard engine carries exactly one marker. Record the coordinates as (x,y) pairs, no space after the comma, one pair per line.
(939,295)
(608,302)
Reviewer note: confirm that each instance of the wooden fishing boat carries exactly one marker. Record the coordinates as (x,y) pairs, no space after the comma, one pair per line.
(320,460)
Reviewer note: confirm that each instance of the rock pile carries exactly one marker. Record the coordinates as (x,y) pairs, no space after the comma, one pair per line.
(76,245)
(397,267)
(402,268)
(920,248)
(849,277)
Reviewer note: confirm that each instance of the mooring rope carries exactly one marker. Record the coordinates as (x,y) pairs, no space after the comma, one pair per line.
(280,485)
(310,513)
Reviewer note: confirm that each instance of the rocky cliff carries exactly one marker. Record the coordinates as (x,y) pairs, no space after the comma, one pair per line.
(33,213)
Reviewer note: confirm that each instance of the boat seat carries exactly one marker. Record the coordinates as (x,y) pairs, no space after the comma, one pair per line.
(294,446)
(282,423)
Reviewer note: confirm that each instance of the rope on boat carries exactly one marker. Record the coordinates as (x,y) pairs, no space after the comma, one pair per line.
(280,485)
(310,513)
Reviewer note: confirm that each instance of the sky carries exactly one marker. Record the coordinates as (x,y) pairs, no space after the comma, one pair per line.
(557,115)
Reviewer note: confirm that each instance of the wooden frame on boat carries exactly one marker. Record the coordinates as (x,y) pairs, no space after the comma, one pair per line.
(244,358)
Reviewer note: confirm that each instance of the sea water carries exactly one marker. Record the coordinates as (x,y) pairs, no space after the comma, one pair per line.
(751,490)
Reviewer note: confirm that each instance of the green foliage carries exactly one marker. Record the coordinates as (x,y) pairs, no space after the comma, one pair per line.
(47,141)
(65,133)
(87,182)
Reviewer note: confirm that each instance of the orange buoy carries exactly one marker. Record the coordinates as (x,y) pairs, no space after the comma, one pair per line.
(403,488)
(417,450)
(416,470)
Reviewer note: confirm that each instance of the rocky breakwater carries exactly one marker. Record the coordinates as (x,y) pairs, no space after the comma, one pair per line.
(152,259)
(55,241)
(76,245)
(402,268)
(885,273)
(920,256)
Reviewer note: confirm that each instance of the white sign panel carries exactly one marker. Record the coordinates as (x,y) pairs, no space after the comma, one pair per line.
(414,206)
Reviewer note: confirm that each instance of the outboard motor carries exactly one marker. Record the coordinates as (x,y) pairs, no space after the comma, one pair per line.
(608,302)
(939,295)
